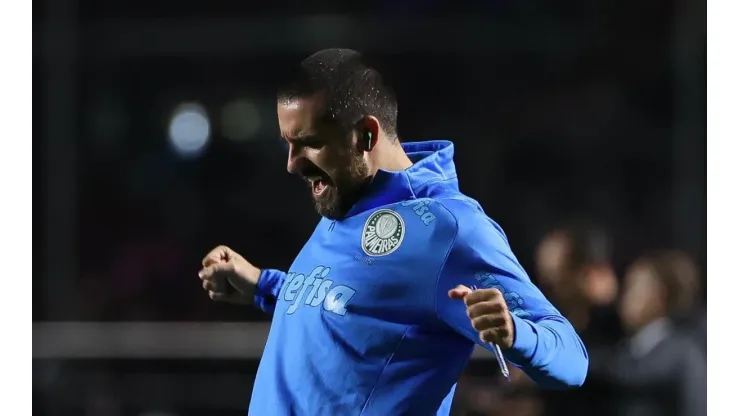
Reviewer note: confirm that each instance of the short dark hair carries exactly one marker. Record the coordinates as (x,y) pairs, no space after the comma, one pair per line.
(678,274)
(352,88)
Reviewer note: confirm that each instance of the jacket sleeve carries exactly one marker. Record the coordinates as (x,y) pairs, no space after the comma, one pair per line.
(546,346)
(268,289)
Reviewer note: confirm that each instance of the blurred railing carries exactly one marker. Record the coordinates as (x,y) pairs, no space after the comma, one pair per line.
(189,368)
(156,340)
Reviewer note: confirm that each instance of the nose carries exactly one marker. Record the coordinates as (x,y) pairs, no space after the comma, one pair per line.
(295,156)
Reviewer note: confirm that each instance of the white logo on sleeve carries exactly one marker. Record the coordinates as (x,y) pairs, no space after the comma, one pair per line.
(383,233)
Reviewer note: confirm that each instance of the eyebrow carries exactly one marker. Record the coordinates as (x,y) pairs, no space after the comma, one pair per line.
(302,136)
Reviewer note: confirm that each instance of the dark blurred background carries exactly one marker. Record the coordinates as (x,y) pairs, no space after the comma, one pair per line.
(580,126)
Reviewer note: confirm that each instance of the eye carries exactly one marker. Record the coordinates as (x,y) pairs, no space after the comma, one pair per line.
(312,142)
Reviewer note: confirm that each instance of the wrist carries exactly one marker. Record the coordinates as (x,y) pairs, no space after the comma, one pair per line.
(250,273)
(257,273)
(266,281)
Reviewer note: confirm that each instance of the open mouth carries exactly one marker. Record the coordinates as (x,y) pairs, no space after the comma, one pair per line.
(319,184)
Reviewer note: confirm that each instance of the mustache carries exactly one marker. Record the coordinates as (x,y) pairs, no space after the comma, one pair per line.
(312,171)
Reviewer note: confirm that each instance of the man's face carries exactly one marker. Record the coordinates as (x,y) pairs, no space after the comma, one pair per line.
(551,259)
(567,282)
(324,154)
(553,269)
(642,299)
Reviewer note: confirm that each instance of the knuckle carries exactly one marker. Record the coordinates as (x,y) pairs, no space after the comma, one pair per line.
(488,336)
(474,298)
(215,253)
(494,293)
(478,325)
(486,307)
(482,323)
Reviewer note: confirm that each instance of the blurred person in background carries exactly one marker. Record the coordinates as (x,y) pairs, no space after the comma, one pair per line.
(380,311)
(574,267)
(659,369)
(692,318)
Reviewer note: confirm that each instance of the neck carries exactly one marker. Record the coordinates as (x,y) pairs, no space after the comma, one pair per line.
(390,156)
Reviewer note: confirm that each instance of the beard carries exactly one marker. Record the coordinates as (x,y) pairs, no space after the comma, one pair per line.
(343,190)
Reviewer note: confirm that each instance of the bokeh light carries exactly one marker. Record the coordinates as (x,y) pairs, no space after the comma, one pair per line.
(240,120)
(189,129)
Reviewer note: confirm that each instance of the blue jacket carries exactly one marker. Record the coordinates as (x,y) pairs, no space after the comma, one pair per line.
(362,322)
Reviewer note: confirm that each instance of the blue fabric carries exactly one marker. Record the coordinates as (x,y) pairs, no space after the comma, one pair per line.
(362,322)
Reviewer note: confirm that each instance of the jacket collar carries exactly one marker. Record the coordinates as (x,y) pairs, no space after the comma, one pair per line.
(432,165)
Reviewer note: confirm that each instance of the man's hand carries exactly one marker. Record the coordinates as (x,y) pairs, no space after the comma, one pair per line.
(228,277)
(488,314)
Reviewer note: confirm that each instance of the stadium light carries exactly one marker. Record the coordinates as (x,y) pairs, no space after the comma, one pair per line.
(189,129)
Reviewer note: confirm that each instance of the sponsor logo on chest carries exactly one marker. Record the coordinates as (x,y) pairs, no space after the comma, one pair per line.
(315,290)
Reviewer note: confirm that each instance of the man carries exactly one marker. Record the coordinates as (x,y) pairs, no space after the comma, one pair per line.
(574,268)
(377,315)
(660,369)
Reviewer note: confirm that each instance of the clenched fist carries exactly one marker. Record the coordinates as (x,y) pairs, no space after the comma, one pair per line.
(228,277)
(488,314)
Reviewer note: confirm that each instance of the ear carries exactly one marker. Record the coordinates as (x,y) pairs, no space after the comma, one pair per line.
(369,133)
